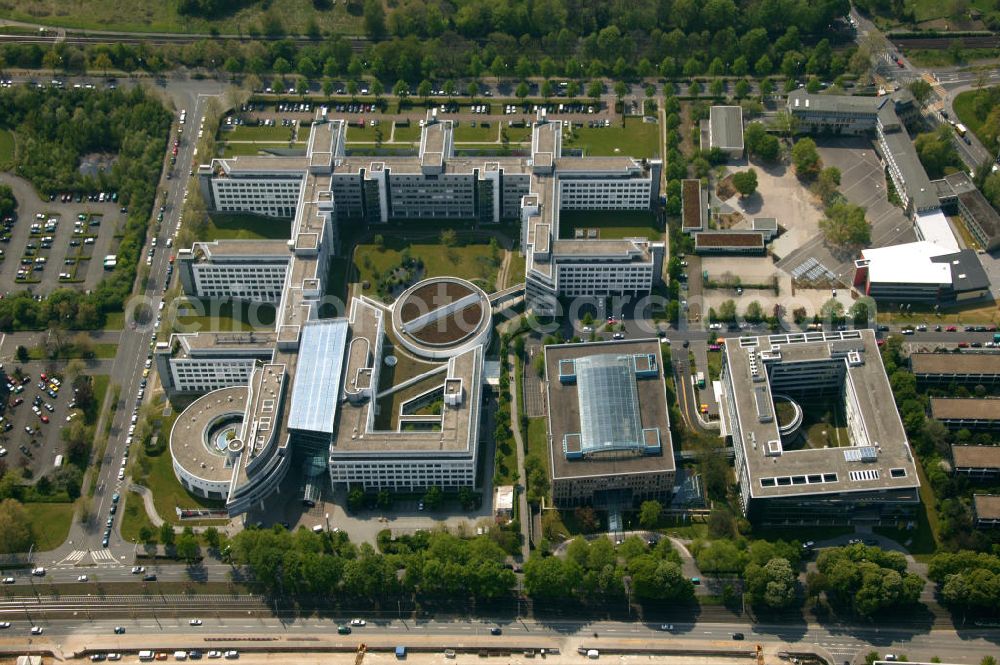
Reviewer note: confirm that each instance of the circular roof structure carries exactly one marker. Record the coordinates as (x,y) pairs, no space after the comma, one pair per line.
(441,316)
(205,436)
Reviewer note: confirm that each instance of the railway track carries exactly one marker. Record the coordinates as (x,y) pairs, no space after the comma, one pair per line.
(123,605)
(940,43)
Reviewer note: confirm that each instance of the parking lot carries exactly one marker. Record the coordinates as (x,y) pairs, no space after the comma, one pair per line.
(35,412)
(49,245)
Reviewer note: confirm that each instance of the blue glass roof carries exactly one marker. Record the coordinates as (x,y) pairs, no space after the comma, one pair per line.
(318,376)
(609,403)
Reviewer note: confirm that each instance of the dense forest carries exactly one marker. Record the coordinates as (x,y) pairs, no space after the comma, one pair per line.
(437,39)
(55,129)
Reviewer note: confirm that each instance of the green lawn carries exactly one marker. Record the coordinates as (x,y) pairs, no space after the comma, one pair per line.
(612,224)
(518,134)
(471,261)
(100,383)
(515,271)
(714,365)
(293,15)
(478,134)
(250,149)
(403,134)
(50,523)
(537,444)
(134,517)
(222,316)
(246,226)
(100,350)
(368,134)
(257,134)
(636,139)
(926,10)
(6,148)
(114,321)
(168,493)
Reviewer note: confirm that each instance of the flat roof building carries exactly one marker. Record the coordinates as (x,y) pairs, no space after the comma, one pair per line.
(729,242)
(694,206)
(867,476)
(920,272)
(725,130)
(987,510)
(962,368)
(608,429)
(977,462)
(967,413)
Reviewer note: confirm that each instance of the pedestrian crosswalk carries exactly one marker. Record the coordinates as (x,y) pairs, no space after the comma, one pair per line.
(73,557)
(103,556)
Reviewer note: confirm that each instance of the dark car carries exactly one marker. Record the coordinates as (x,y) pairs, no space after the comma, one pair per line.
(495,631)
(739,636)
(149,578)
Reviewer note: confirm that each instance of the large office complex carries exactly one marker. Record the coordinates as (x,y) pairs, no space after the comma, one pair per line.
(771,386)
(910,272)
(317,387)
(608,430)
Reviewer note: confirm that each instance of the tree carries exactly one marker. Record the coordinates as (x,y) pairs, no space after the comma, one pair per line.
(649,514)
(103,63)
(844,226)
(374,19)
(355,499)
(15,527)
(827,183)
(755,312)
(546,89)
(433,498)
(212,537)
(806,159)
(521,91)
(594,90)
(22,354)
(621,89)
(551,577)
(587,518)
(424,89)
(472,90)
(448,237)
(761,144)
(188,548)
(921,91)
(378,89)
(401,90)
(727,310)
(936,151)
(772,585)
(167,534)
(745,182)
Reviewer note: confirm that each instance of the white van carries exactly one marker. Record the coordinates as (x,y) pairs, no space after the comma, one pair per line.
(180,655)
(145,655)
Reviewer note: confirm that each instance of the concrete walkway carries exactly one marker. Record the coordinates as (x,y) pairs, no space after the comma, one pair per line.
(147,501)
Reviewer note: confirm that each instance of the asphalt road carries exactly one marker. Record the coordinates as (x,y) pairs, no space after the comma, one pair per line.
(843,642)
(134,346)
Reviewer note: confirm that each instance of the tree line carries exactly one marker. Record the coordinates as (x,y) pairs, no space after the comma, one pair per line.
(434,39)
(55,129)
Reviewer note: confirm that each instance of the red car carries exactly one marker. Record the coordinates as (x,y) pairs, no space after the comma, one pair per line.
(43,376)
(963,345)
(44,419)
(951,329)
(18,402)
